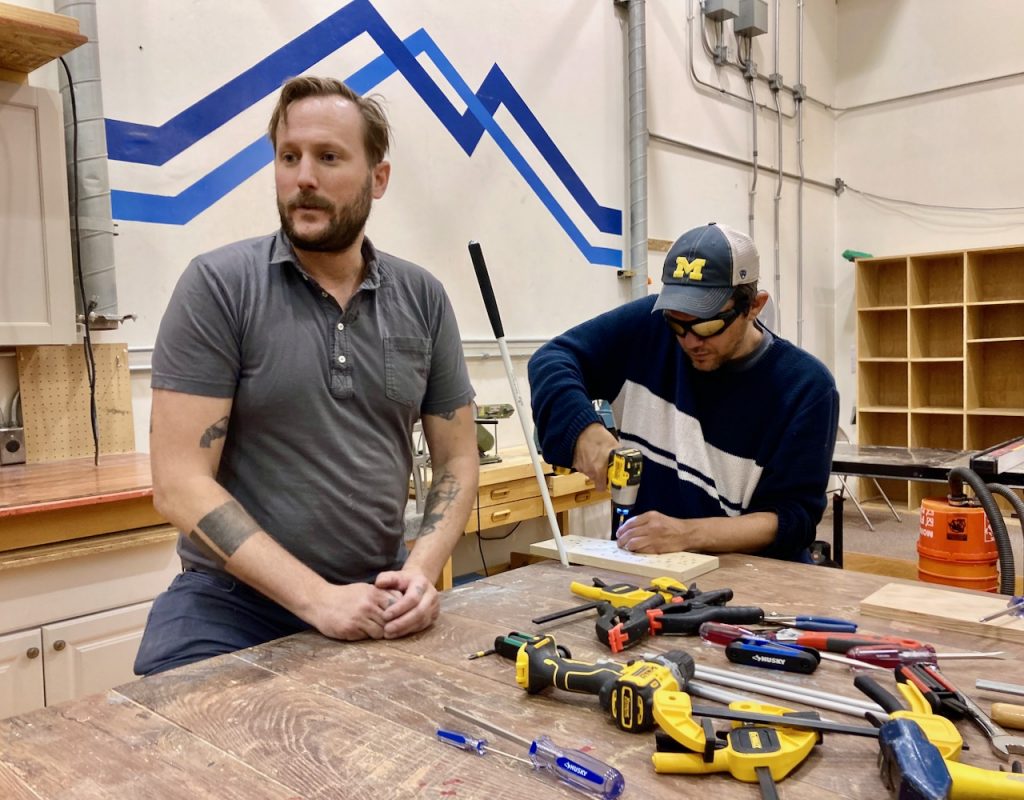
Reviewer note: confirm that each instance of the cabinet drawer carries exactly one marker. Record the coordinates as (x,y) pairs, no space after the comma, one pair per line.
(505,513)
(507,492)
(581,498)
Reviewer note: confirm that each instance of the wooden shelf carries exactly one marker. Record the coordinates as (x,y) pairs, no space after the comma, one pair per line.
(940,349)
(29,39)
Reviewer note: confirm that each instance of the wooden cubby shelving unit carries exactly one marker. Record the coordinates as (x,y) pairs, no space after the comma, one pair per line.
(940,354)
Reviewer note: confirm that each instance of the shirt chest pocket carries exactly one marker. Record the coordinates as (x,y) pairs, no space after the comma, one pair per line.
(406,368)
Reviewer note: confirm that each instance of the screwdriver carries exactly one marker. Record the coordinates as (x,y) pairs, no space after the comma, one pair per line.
(1014,606)
(723,634)
(573,767)
(478,746)
(891,657)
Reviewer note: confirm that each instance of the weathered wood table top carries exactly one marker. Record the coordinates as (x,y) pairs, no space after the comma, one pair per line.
(313,718)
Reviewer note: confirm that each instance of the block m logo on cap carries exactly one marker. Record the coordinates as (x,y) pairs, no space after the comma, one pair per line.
(689,269)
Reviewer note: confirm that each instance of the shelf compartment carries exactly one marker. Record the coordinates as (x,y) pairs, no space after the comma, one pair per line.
(937,279)
(937,385)
(995,376)
(988,430)
(882,427)
(942,430)
(995,321)
(937,332)
(995,275)
(882,334)
(882,283)
(882,383)
(895,490)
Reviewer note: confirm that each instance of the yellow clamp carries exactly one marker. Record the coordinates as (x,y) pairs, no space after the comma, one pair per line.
(779,749)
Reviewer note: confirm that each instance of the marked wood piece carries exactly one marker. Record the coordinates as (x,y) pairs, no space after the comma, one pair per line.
(606,553)
(55,401)
(945,608)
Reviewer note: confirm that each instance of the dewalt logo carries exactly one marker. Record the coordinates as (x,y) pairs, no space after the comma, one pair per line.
(688,269)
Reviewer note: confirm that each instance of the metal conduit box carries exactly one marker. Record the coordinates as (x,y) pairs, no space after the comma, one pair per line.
(721,10)
(752,18)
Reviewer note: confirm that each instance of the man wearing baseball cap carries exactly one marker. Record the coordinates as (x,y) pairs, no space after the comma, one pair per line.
(736,425)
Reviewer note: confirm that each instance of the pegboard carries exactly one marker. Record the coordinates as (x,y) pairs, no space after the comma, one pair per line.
(55,401)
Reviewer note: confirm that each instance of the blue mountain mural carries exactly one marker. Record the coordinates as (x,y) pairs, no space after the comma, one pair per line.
(155,145)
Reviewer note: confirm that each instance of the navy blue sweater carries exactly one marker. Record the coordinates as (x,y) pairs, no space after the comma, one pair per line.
(754,437)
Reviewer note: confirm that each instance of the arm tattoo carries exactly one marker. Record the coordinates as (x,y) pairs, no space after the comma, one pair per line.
(217,430)
(221,532)
(446,415)
(443,491)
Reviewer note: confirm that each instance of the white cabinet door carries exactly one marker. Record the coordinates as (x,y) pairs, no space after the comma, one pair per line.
(92,653)
(37,304)
(21,672)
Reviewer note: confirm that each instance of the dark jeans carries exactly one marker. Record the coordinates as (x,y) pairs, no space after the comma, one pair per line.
(206,614)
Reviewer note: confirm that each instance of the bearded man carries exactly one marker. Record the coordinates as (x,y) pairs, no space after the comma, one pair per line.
(288,372)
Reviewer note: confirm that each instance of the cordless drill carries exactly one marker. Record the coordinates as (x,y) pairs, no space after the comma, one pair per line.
(624,467)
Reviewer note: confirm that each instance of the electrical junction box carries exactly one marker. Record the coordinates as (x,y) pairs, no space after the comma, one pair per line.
(721,10)
(12,446)
(752,19)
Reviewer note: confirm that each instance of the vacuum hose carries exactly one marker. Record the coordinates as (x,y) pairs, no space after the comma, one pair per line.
(957,476)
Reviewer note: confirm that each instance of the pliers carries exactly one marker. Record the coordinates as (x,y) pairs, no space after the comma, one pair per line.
(807,622)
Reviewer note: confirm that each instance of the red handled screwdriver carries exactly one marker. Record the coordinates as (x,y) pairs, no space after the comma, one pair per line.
(891,657)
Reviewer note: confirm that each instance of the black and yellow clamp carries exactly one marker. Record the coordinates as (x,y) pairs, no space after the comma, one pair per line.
(757,753)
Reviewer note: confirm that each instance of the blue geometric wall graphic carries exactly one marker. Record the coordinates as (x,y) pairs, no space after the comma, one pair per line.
(155,145)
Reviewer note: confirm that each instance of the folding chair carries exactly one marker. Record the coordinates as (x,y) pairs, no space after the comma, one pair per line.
(844,490)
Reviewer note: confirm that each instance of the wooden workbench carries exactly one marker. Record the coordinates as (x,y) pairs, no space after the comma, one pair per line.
(313,718)
(73,499)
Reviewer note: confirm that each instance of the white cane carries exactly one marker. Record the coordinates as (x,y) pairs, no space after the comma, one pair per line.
(477,255)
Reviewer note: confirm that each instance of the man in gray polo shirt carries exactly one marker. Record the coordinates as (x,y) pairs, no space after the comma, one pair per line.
(287,375)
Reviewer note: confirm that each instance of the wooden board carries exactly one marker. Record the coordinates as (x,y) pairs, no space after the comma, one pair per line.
(55,401)
(30,38)
(606,553)
(944,608)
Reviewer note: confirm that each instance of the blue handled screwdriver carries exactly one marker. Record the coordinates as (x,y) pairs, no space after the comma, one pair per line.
(479,746)
(573,767)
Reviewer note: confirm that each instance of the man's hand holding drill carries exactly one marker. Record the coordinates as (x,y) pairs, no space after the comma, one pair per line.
(590,457)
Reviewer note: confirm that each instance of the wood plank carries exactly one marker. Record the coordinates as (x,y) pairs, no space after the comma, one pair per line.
(31,38)
(484,688)
(320,741)
(12,788)
(92,749)
(606,553)
(957,609)
(29,530)
(27,488)
(107,543)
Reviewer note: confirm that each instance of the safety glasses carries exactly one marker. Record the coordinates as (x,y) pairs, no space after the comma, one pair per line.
(703,328)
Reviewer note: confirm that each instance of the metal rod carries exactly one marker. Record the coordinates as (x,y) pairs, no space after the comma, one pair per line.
(487,726)
(810,697)
(996,686)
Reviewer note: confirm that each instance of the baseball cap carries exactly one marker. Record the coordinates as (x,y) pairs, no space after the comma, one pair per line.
(703,267)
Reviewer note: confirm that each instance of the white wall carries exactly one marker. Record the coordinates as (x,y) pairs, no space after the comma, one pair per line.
(953,148)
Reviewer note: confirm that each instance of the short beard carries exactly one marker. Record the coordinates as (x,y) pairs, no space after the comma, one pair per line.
(344,228)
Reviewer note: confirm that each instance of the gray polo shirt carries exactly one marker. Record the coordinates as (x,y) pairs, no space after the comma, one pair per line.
(318,448)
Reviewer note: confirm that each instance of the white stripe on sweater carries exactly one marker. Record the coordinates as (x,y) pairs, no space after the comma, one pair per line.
(721,475)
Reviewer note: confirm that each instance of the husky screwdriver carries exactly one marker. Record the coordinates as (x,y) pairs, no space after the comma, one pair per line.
(573,767)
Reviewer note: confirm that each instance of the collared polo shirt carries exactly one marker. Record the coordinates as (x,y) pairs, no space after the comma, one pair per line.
(318,446)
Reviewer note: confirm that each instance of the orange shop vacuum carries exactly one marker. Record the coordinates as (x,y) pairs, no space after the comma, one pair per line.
(963,539)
